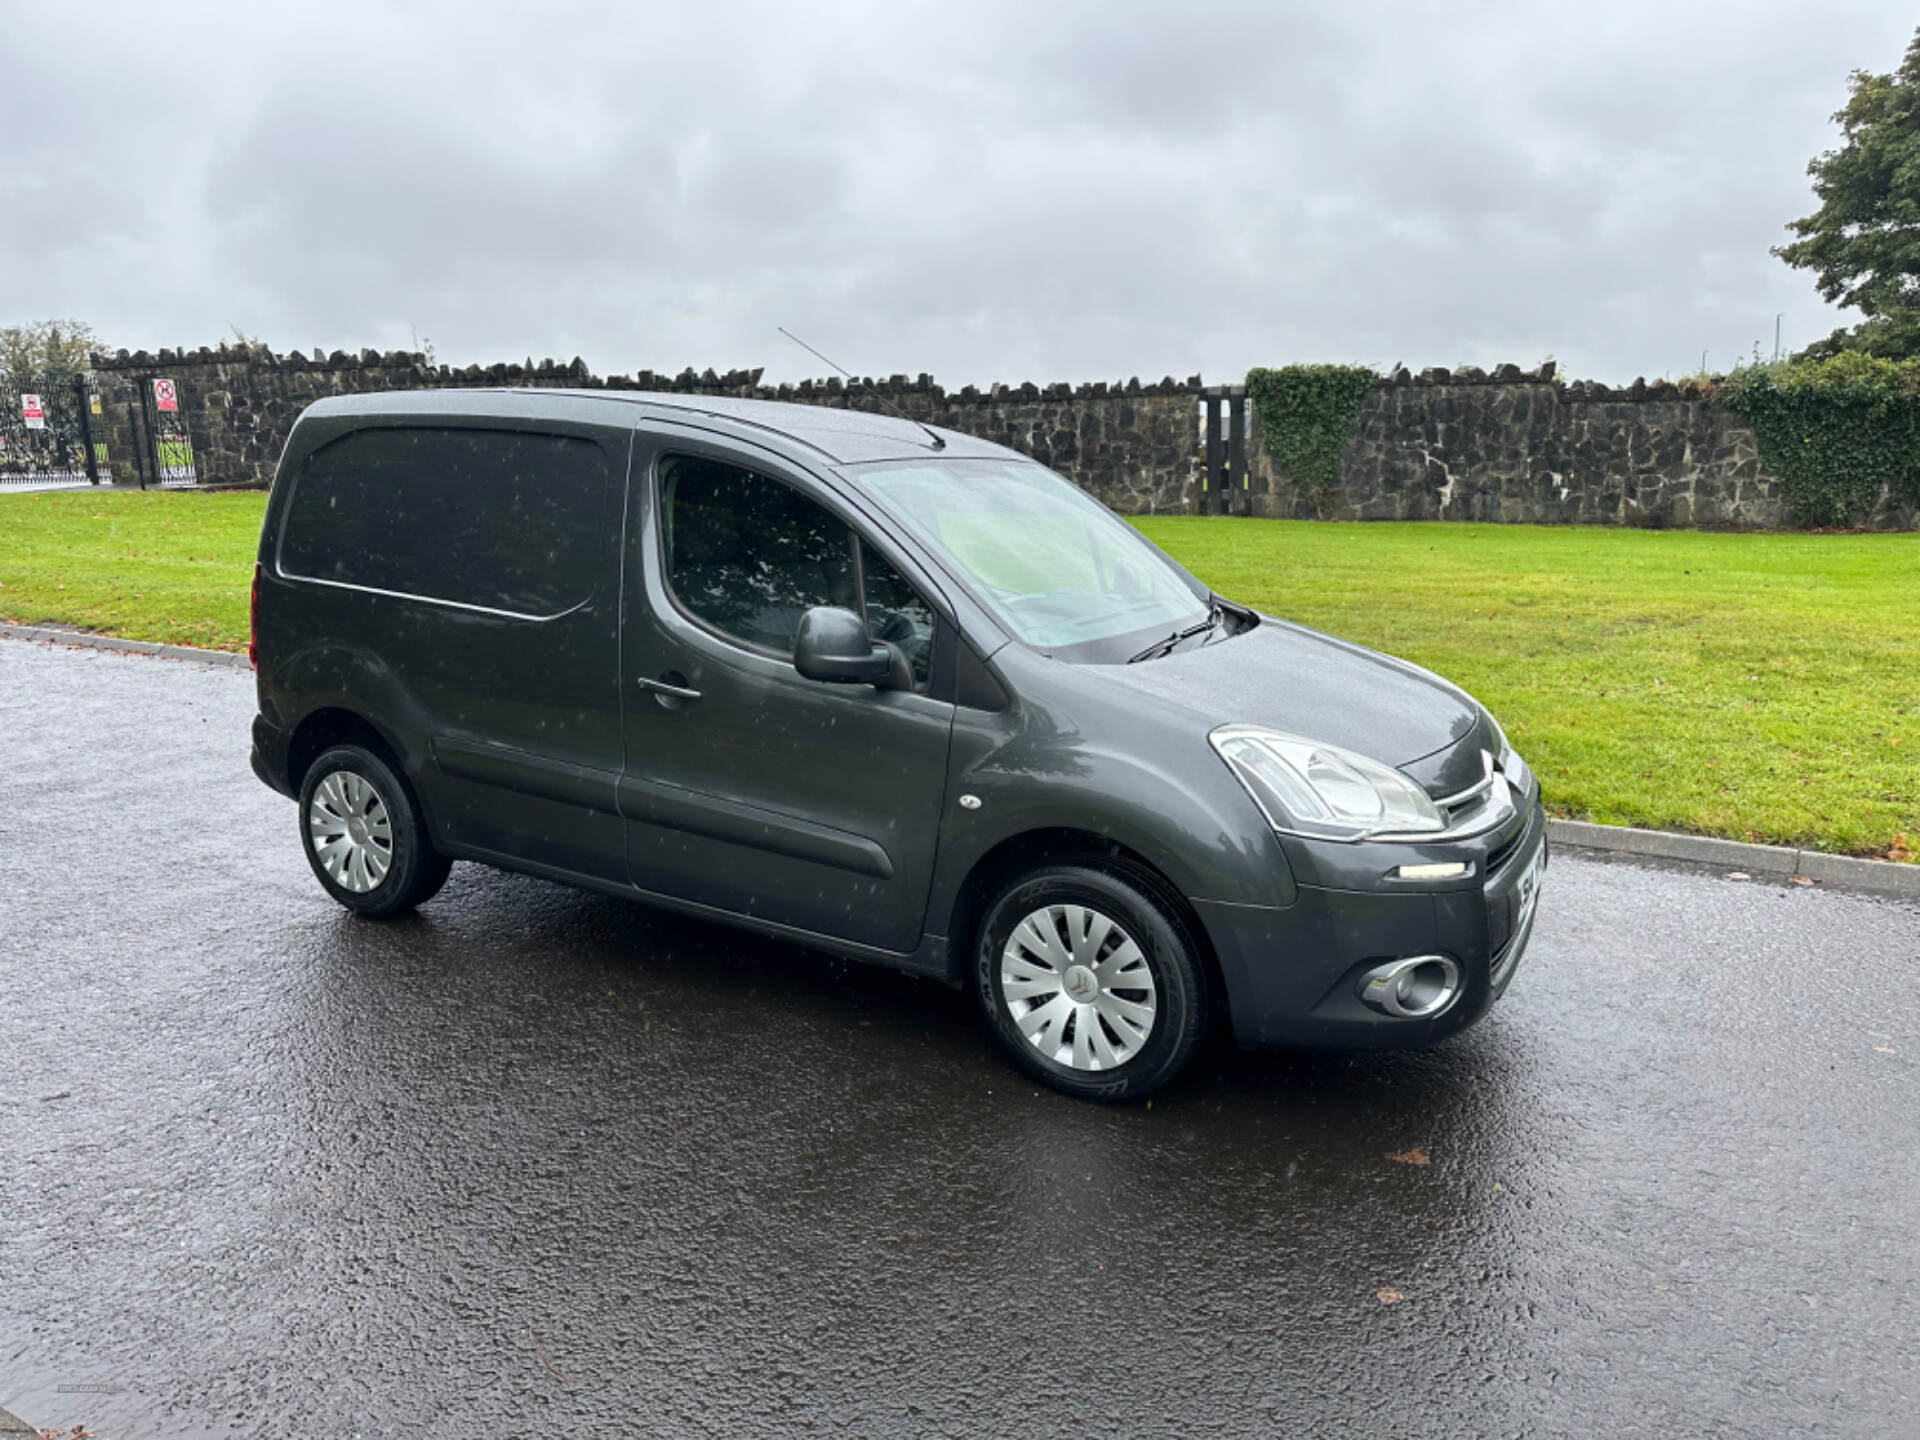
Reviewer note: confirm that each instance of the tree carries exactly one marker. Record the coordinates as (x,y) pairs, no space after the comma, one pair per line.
(47,355)
(1863,243)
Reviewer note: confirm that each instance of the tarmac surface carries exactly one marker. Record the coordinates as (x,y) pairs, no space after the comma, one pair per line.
(538,1161)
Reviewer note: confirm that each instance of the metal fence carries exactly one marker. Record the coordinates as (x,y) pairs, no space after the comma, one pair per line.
(58,437)
(52,439)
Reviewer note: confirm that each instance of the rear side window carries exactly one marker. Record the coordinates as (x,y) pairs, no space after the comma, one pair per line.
(749,556)
(504,519)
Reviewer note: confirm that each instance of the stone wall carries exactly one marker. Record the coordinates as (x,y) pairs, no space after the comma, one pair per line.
(240,402)
(1134,446)
(1466,445)
(1527,449)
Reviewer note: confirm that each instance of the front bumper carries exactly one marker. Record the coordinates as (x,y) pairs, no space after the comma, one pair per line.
(1293,973)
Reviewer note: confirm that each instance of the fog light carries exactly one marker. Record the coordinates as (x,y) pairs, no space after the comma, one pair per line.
(1416,988)
(1449,870)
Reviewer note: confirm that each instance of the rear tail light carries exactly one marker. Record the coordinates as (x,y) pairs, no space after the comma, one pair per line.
(253,620)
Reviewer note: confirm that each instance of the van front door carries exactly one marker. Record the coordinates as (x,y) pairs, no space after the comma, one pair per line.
(747,787)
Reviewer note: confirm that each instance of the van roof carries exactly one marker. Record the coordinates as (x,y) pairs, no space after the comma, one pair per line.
(843,436)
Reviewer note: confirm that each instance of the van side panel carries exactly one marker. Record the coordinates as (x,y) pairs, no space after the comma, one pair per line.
(467,608)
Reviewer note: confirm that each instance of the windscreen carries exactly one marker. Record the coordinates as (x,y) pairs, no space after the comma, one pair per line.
(1056,567)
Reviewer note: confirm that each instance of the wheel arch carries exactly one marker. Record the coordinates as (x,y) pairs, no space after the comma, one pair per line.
(1054,845)
(332,725)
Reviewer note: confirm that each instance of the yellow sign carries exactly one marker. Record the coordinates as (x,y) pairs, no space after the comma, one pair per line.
(96,404)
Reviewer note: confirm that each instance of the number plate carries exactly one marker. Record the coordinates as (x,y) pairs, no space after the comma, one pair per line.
(1526,895)
(1527,892)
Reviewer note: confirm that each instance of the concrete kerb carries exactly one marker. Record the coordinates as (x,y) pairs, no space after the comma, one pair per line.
(53,635)
(1875,877)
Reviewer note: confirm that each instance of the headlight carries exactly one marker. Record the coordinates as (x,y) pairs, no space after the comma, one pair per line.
(1309,788)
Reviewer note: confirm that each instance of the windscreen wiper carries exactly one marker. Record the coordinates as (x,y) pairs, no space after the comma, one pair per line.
(1161,647)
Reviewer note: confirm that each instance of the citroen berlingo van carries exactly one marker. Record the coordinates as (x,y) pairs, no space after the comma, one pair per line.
(884,690)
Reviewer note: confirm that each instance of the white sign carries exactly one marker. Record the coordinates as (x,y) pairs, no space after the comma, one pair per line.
(164,396)
(35,413)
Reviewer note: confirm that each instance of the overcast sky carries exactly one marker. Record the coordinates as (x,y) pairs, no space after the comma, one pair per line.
(986,191)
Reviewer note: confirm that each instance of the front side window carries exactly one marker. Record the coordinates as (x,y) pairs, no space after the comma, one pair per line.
(1059,569)
(896,614)
(748,556)
(501,519)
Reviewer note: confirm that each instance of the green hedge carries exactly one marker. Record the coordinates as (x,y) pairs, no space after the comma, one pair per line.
(1307,414)
(1834,430)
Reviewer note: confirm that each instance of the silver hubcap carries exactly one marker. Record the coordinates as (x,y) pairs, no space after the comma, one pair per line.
(351,833)
(1078,987)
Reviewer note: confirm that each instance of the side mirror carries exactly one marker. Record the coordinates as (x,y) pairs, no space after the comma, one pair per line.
(833,645)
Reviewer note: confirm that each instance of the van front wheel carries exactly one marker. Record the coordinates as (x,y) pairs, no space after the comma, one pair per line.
(364,835)
(1090,982)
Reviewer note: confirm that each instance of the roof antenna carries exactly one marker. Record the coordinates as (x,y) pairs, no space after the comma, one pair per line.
(897,412)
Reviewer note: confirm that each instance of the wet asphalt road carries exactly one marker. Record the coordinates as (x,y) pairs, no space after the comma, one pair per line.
(539,1162)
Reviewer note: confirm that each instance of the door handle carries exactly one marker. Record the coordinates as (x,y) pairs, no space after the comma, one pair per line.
(664,687)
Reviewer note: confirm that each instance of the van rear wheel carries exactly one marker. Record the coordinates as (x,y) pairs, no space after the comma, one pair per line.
(1090,982)
(364,835)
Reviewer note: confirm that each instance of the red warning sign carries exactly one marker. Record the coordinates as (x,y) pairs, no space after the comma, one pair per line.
(164,396)
(33,412)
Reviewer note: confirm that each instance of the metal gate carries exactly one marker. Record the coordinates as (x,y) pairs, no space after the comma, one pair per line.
(168,450)
(1226,487)
(52,439)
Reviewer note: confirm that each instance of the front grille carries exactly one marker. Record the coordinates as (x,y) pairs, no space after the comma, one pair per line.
(1508,919)
(1499,927)
(1498,857)
(1481,807)
(1507,953)
(1462,810)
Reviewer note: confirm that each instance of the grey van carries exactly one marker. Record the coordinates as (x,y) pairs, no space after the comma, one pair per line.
(884,690)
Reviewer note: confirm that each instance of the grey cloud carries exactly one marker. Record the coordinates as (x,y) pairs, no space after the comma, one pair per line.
(1192,72)
(753,182)
(995,191)
(297,186)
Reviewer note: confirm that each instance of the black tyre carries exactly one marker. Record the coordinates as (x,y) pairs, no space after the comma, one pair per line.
(1091,982)
(364,835)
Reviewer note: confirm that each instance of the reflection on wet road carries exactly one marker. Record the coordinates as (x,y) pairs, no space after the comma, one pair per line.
(538,1160)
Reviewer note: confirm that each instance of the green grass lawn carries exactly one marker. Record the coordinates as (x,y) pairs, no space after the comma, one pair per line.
(1765,687)
(152,565)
